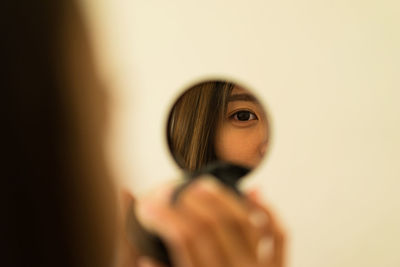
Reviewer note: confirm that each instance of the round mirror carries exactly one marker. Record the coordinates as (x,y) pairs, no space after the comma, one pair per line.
(218,120)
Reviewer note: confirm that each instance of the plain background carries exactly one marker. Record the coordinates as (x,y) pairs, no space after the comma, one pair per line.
(329,73)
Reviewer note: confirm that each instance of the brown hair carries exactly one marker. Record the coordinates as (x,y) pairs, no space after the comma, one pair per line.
(58,197)
(193,122)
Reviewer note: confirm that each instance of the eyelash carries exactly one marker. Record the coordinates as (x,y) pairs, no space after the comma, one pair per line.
(234,116)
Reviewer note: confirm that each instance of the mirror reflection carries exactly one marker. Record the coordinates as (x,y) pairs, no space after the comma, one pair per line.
(217,120)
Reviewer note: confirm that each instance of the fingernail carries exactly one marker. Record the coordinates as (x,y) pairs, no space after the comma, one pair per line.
(206,183)
(265,249)
(258,219)
(145,262)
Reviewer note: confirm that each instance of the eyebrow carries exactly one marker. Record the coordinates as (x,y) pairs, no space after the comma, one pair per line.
(242,97)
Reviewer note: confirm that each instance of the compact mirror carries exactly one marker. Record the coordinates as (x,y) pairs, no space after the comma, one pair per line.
(218,121)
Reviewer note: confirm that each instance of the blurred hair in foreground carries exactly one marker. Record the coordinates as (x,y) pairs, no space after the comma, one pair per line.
(57,205)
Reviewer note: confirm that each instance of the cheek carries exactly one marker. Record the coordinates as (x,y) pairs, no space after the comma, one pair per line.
(238,145)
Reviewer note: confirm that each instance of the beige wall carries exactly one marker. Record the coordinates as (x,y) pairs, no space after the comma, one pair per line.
(329,71)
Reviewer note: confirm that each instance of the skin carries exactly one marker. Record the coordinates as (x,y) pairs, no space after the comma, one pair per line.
(211,227)
(242,136)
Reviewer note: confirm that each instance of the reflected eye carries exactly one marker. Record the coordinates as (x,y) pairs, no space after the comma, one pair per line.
(244,115)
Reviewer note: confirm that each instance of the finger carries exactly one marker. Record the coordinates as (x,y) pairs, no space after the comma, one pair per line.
(157,216)
(148,262)
(270,219)
(221,209)
(216,247)
(273,229)
(265,246)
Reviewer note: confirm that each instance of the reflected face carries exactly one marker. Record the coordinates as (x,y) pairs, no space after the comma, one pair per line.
(242,136)
(217,120)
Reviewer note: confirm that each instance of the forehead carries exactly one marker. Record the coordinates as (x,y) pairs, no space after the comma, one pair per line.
(241,94)
(239,90)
